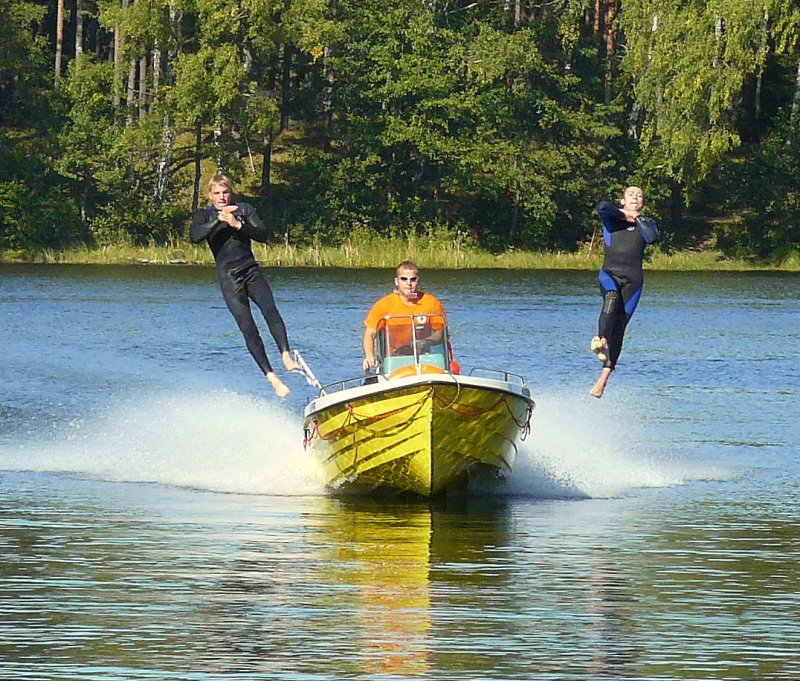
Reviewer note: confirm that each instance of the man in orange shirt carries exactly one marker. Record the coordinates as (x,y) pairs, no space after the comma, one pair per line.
(406,299)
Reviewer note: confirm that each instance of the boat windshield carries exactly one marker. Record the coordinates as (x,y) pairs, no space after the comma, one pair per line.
(405,340)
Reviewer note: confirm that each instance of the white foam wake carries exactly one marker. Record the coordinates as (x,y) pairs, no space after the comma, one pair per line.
(223,441)
(215,440)
(580,447)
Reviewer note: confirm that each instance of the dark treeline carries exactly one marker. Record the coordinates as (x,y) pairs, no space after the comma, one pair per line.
(504,120)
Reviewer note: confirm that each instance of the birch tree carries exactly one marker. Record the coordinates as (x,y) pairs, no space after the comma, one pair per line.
(59,38)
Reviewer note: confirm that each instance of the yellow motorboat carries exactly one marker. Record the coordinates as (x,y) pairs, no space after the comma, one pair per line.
(419,426)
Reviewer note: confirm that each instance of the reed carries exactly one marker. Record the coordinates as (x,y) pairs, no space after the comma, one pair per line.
(172,253)
(684,261)
(386,252)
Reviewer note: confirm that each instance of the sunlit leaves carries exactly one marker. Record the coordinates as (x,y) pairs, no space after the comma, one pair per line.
(686,64)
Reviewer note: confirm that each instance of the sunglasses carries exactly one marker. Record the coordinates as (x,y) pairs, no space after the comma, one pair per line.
(409,278)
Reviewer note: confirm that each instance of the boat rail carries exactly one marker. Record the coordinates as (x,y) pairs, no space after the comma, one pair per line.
(370,378)
(355,381)
(508,376)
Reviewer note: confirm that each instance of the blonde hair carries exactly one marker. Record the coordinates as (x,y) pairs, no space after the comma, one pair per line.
(219,178)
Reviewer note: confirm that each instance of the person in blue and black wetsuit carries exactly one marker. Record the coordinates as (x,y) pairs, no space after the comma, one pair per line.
(228,227)
(626,234)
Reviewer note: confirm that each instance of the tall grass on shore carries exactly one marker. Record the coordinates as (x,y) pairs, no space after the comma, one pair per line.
(386,252)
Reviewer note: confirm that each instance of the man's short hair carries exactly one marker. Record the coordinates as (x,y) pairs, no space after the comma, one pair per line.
(407,265)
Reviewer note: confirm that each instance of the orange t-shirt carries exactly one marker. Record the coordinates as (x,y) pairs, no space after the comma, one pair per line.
(393,304)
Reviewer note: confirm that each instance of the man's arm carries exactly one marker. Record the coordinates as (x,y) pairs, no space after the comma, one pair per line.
(252,226)
(648,229)
(437,326)
(204,223)
(612,216)
(435,337)
(368,343)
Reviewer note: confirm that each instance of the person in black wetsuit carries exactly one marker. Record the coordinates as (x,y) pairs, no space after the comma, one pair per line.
(626,233)
(229,227)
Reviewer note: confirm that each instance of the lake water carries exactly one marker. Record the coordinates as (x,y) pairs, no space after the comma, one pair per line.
(159,518)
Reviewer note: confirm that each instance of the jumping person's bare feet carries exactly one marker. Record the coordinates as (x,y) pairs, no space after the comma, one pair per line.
(599,347)
(288,361)
(280,388)
(599,388)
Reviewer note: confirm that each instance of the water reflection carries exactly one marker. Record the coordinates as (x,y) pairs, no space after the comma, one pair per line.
(378,554)
(610,624)
(104,578)
(552,602)
(412,574)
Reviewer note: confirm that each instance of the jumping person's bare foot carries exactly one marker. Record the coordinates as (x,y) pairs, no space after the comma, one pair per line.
(599,388)
(280,388)
(599,347)
(288,361)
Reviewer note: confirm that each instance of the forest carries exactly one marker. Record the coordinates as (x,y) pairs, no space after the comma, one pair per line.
(503,121)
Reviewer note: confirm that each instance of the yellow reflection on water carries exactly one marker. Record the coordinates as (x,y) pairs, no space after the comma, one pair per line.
(379,553)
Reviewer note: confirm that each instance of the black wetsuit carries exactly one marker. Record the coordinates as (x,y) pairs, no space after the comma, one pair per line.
(621,278)
(240,277)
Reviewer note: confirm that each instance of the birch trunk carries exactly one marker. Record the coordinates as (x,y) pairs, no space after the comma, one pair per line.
(198,145)
(162,168)
(168,141)
(156,76)
(611,46)
(760,76)
(286,86)
(59,38)
(119,46)
(78,30)
(129,100)
(266,167)
(327,105)
(719,34)
(142,87)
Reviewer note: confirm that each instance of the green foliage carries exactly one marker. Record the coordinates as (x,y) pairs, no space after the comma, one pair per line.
(682,93)
(136,222)
(192,97)
(768,184)
(395,117)
(36,216)
(36,209)
(111,167)
(685,68)
(88,133)
(23,56)
(481,126)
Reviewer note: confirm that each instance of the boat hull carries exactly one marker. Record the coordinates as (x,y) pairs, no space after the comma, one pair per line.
(420,435)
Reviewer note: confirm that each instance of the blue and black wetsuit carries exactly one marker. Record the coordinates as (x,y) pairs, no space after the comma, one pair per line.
(239,275)
(621,278)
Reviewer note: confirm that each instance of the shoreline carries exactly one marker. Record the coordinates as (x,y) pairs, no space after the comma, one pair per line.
(387,253)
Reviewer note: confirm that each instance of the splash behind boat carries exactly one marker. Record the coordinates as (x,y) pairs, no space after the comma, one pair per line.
(418,426)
